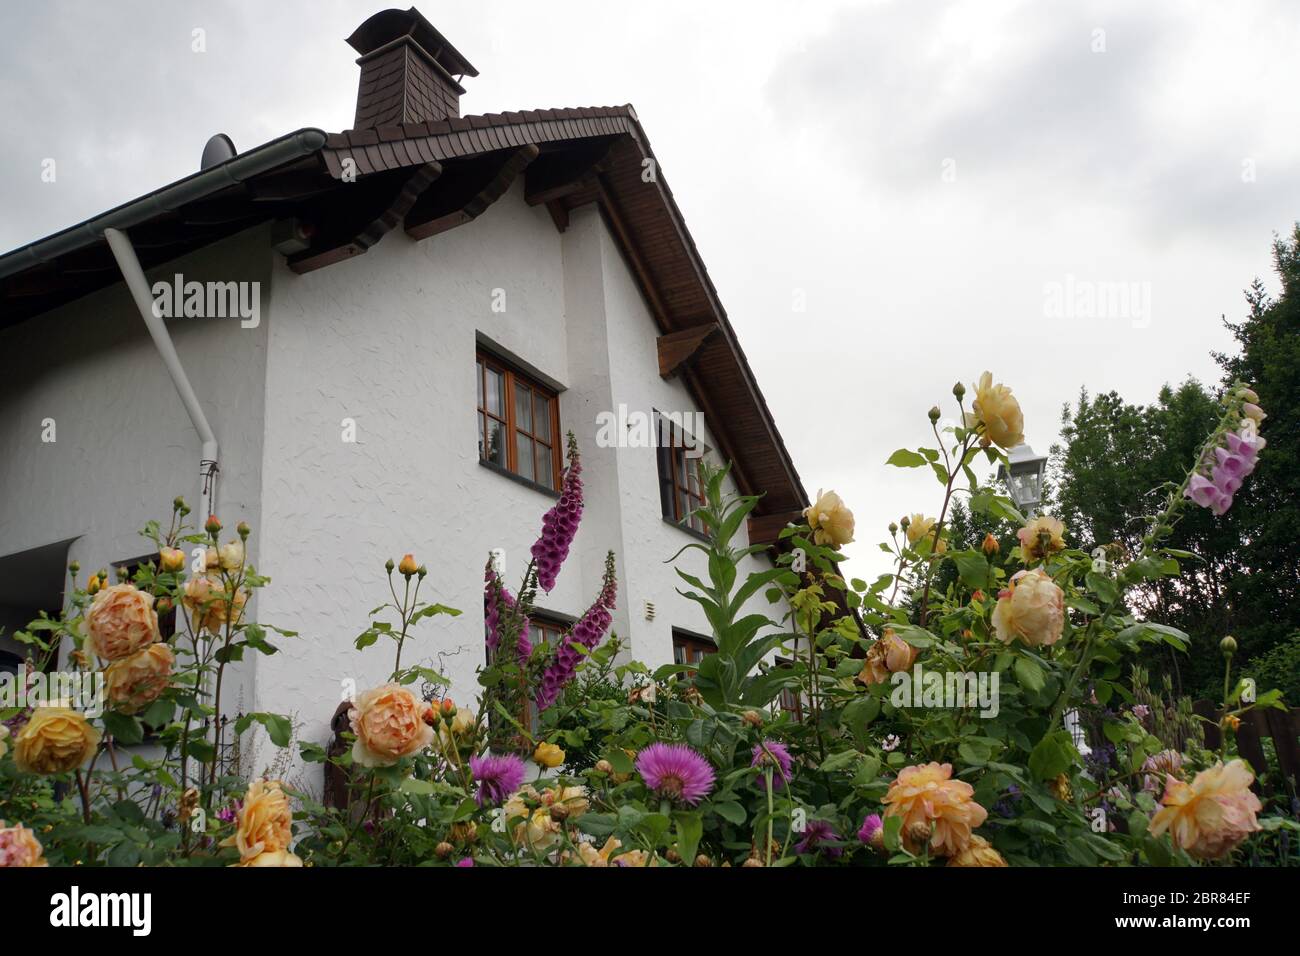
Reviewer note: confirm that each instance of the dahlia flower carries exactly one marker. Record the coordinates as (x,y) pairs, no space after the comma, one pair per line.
(675,772)
(560,524)
(1213,814)
(497,777)
(774,754)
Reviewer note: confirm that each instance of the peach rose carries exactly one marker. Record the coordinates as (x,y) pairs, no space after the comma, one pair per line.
(19,847)
(389,725)
(590,856)
(264,824)
(1210,816)
(54,740)
(921,528)
(135,682)
(121,621)
(830,521)
(1031,609)
(231,555)
(281,858)
(929,801)
(998,413)
(205,596)
(542,829)
(1041,537)
(977,853)
(886,656)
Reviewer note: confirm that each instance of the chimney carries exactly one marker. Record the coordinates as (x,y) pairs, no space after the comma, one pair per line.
(409,72)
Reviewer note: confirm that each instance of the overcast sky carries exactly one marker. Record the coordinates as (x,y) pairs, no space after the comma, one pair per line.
(940,186)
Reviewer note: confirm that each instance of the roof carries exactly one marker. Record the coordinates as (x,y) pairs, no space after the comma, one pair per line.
(431,177)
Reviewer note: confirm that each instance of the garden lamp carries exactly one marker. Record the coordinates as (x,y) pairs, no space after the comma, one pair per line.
(1023,474)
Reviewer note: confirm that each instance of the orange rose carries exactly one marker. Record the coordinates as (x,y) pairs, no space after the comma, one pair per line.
(264,825)
(389,725)
(1210,816)
(929,801)
(205,596)
(135,682)
(54,740)
(121,621)
(281,858)
(19,847)
(1032,609)
(886,656)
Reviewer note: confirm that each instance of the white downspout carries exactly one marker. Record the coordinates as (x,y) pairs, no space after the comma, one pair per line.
(127,261)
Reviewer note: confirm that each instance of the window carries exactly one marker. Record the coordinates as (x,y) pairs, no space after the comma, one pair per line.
(689,649)
(518,423)
(681,491)
(790,699)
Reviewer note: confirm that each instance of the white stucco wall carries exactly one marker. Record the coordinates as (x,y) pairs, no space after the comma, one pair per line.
(124,444)
(391,338)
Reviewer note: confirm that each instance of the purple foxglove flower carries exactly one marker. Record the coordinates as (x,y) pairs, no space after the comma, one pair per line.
(497,598)
(1226,481)
(587,632)
(560,524)
(1202,491)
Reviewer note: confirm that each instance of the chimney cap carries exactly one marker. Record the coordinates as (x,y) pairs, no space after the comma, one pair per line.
(389,25)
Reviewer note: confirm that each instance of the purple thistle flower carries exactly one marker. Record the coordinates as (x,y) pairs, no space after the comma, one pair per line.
(587,633)
(775,754)
(497,777)
(675,772)
(465,861)
(871,826)
(817,833)
(560,524)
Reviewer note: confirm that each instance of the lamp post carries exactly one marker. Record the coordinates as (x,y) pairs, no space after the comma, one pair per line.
(1023,474)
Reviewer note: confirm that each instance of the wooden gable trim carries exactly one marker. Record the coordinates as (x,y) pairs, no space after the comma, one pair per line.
(455,207)
(676,349)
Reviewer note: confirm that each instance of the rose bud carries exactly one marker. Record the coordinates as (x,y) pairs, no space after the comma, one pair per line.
(243,530)
(448,707)
(990,545)
(388,565)
(443,850)
(212,526)
(171,559)
(1228,646)
(703,860)
(407,565)
(605,767)
(753,718)
(178,503)
(934,414)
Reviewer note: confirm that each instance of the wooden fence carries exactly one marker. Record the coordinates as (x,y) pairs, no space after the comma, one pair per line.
(1283,726)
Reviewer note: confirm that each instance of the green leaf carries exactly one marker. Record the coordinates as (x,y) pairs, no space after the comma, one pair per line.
(1053,756)
(972,568)
(730,811)
(903,458)
(690,827)
(278,727)
(124,728)
(1030,674)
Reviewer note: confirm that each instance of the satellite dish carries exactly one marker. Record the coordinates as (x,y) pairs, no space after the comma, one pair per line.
(217,151)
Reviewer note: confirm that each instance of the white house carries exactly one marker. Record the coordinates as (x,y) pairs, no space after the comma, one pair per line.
(399,322)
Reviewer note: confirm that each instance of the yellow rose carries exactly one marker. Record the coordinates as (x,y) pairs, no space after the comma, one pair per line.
(19,847)
(54,740)
(171,559)
(548,755)
(231,555)
(264,824)
(205,596)
(121,621)
(1042,536)
(1031,609)
(281,858)
(931,802)
(921,529)
(998,413)
(1213,814)
(590,856)
(978,853)
(830,521)
(886,656)
(137,681)
(389,724)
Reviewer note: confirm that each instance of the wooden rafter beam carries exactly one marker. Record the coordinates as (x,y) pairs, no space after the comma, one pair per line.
(471,190)
(766,529)
(354,242)
(677,349)
(564,173)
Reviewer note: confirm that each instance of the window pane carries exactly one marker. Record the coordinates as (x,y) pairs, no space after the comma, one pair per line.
(542,417)
(496,451)
(480,435)
(679,654)
(478,384)
(524,446)
(523,407)
(545,466)
(496,386)
(683,506)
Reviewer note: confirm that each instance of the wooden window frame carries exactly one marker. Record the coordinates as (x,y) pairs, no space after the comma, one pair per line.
(514,379)
(789,699)
(675,484)
(687,642)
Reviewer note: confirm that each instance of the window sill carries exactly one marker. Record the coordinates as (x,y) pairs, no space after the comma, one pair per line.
(519,479)
(687,529)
